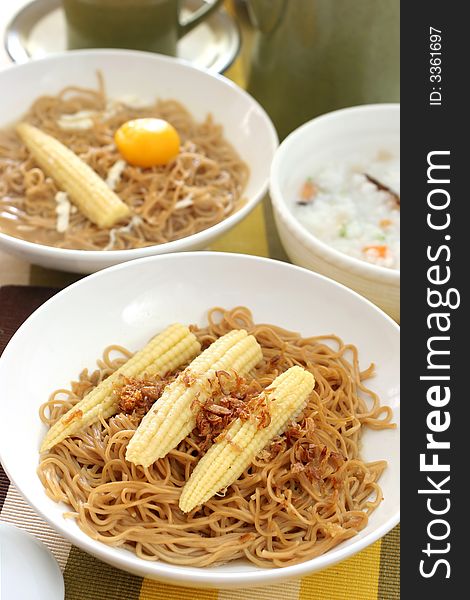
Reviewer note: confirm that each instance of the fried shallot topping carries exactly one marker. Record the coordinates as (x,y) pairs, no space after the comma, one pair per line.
(231,397)
(137,396)
(307,456)
(315,460)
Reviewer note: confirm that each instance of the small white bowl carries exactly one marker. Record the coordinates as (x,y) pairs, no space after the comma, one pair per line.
(333,137)
(71,330)
(149,76)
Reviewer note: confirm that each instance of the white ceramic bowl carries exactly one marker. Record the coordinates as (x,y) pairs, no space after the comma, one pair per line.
(70,331)
(149,76)
(333,137)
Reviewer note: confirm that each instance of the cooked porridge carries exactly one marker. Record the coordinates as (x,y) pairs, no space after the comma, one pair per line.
(354,206)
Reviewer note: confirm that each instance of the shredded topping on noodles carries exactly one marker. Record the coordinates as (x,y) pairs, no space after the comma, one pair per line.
(231,397)
(136,396)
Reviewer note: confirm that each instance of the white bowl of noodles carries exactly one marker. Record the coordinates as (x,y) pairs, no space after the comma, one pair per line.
(219,175)
(104,309)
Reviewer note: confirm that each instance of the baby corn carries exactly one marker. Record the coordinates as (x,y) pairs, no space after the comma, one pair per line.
(173,347)
(85,188)
(226,459)
(173,415)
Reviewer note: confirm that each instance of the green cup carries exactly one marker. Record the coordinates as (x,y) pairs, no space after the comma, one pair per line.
(152,25)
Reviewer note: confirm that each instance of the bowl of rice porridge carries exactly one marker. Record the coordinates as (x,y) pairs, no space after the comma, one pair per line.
(335,191)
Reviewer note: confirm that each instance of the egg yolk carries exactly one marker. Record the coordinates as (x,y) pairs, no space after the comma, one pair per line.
(147,142)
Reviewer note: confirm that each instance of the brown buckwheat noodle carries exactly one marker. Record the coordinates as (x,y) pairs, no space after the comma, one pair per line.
(200,188)
(303,494)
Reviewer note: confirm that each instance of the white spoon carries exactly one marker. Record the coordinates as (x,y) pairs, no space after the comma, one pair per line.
(28,571)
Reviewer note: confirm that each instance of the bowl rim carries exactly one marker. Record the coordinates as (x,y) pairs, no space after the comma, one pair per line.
(197,576)
(194,239)
(304,236)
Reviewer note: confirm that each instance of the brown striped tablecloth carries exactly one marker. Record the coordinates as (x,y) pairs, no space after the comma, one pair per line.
(373,574)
